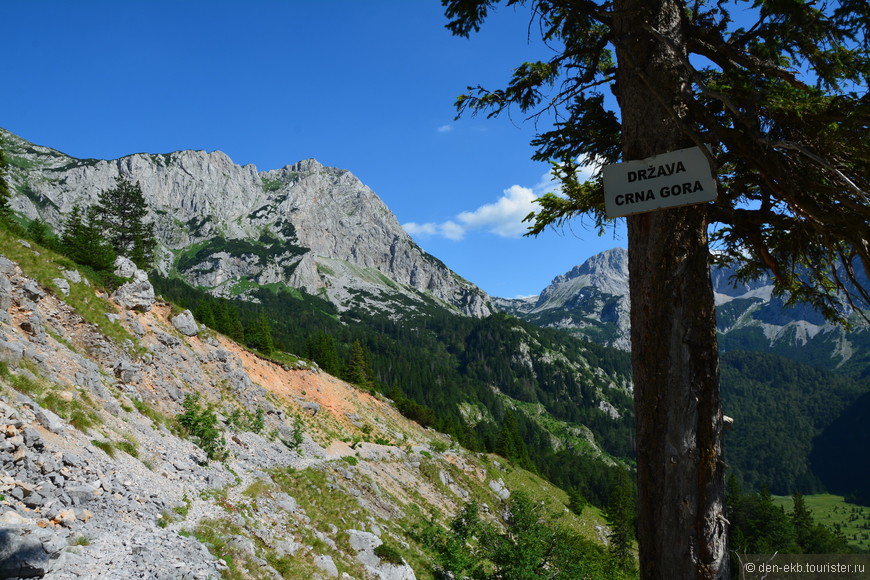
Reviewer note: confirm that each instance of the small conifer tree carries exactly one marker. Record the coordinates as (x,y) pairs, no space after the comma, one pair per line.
(122,210)
(358,370)
(82,240)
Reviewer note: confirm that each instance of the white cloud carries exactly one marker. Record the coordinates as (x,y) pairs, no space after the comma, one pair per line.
(449,229)
(503,217)
(452,230)
(415,229)
(444,128)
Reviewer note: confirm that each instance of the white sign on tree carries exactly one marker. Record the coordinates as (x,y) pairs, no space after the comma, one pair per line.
(672,179)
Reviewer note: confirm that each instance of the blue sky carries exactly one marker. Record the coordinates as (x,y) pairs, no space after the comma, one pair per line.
(364,85)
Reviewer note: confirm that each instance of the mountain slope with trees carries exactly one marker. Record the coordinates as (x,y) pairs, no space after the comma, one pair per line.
(776,102)
(132,448)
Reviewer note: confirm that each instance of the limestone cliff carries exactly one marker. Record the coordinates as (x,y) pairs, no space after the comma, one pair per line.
(228,227)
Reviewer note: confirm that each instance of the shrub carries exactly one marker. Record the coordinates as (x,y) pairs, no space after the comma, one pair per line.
(201,425)
(105,446)
(297,438)
(389,554)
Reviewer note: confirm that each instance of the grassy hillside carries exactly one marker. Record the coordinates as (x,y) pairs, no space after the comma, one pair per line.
(310,473)
(835,512)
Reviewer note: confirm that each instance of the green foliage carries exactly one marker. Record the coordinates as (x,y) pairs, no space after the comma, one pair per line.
(201,424)
(245,421)
(621,514)
(787,405)
(510,444)
(389,554)
(40,232)
(358,370)
(106,446)
(84,242)
(848,521)
(414,411)
(258,335)
(121,212)
(297,435)
(526,545)
(110,447)
(322,350)
(780,105)
(576,502)
(204,314)
(270,185)
(128,447)
(759,526)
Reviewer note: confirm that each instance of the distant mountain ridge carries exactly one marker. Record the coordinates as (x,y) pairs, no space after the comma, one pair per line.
(592,300)
(228,228)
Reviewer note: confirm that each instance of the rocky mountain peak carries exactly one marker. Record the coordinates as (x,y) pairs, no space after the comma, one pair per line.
(592,299)
(607,271)
(230,228)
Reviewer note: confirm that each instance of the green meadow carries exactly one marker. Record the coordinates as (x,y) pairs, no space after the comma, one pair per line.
(834,511)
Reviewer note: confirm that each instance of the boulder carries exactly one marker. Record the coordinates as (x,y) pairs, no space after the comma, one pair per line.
(138,294)
(125,268)
(326,565)
(135,296)
(22,554)
(11,353)
(498,487)
(33,291)
(49,419)
(62,285)
(126,372)
(185,324)
(72,275)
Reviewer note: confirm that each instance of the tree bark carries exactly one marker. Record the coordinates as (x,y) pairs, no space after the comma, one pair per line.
(675,357)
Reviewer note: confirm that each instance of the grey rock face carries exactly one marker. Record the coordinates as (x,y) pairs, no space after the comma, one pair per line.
(312,227)
(23,554)
(135,296)
(62,285)
(364,544)
(593,294)
(326,565)
(185,323)
(138,294)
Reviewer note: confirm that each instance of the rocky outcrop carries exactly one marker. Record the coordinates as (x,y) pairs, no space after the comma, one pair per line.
(315,228)
(590,299)
(138,293)
(185,323)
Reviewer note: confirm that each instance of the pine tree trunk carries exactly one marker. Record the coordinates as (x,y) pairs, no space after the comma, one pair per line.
(675,358)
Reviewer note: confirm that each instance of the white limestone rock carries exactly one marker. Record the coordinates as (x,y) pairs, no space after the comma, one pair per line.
(319,217)
(138,294)
(185,323)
